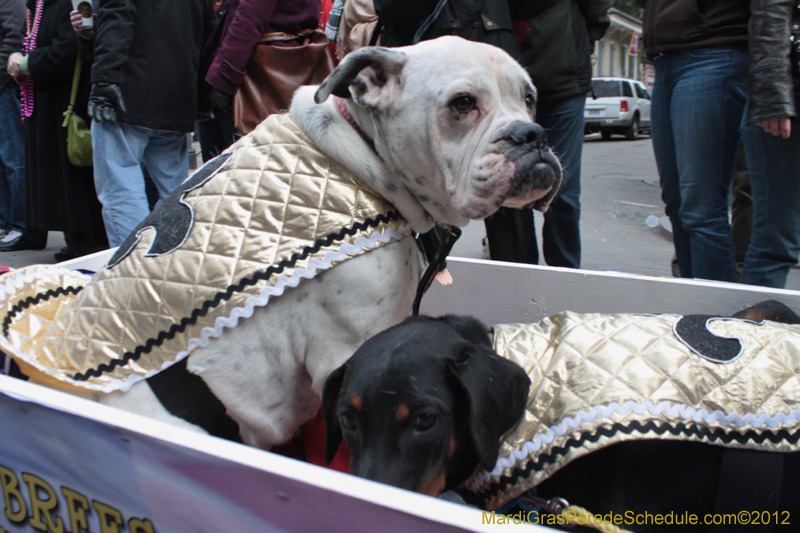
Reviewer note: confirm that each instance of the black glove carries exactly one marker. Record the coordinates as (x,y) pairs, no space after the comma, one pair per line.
(104,102)
(222,100)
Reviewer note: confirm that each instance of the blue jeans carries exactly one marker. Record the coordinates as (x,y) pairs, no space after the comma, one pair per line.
(119,151)
(563,120)
(699,99)
(12,162)
(775,182)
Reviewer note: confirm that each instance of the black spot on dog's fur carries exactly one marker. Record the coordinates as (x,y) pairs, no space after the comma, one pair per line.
(325,121)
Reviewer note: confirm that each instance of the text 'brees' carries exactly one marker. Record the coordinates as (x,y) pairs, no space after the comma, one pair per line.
(38,506)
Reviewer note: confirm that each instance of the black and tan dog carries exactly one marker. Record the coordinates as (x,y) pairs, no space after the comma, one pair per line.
(426,403)
(422,403)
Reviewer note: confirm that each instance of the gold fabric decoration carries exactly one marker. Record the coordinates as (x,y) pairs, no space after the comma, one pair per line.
(594,374)
(278,201)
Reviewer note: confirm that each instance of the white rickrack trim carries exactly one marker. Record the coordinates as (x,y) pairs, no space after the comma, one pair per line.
(253,302)
(662,408)
(16,279)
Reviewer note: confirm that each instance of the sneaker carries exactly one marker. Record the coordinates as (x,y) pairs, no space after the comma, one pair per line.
(3,233)
(10,236)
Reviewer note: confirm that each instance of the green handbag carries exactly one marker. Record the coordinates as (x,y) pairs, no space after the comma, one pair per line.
(79,136)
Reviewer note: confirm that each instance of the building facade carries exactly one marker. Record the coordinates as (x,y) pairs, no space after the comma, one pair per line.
(619,53)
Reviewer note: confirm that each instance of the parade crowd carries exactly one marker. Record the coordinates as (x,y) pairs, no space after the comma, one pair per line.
(144,74)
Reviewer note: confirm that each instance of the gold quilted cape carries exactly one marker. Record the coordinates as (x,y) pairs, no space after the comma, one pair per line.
(245,227)
(602,379)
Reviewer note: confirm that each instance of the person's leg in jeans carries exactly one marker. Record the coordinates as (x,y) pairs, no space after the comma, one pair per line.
(708,89)
(775,182)
(563,120)
(12,162)
(167,160)
(117,153)
(707,109)
(663,141)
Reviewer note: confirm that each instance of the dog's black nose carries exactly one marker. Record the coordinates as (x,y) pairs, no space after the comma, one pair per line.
(521,132)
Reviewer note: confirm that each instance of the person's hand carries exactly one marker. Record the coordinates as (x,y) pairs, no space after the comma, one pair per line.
(104,102)
(76,19)
(777,126)
(13,67)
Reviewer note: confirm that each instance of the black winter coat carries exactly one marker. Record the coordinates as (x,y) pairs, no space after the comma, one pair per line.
(557,52)
(484,21)
(771,86)
(683,24)
(12,20)
(58,195)
(151,49)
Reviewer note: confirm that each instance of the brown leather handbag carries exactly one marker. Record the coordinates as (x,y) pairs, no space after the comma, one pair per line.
(274,72)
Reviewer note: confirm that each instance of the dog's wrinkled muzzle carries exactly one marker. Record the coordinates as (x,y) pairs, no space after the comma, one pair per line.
(537,172)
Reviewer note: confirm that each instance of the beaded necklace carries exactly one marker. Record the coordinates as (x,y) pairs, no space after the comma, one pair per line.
(28,45)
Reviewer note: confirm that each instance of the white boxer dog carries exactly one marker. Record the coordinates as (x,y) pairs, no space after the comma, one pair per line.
(443,130)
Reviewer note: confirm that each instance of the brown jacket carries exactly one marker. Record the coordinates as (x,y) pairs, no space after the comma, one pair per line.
(359,22)
(680,24)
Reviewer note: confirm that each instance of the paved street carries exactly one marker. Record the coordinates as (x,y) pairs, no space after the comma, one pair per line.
(619,191)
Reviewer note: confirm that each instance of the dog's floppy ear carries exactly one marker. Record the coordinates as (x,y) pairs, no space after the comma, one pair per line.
(330,401)
(496,390)
(369,75)
(769,310)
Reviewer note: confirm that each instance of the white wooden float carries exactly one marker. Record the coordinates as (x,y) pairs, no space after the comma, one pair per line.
(75,465)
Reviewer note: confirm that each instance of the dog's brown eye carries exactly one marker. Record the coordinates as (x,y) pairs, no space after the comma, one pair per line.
(529,101)
(463,104)
(424,421)
(347,421)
